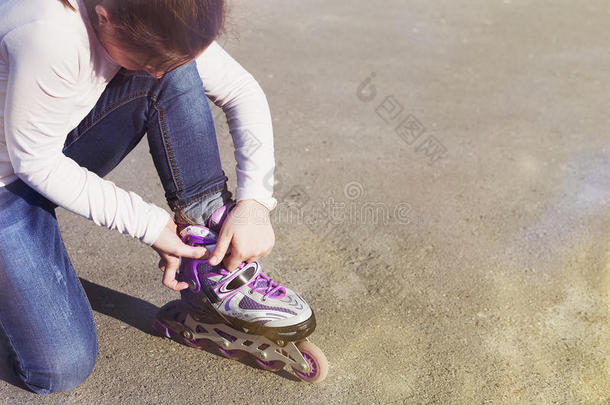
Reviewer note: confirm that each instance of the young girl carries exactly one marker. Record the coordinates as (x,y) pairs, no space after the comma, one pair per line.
(81,82)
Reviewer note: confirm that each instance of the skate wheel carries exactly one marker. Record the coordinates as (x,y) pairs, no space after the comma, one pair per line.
(273,365)
(161,329)
(317,362)
(192,342)
(231,354)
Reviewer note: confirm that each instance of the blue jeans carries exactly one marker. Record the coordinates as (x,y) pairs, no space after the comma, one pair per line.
(44,313)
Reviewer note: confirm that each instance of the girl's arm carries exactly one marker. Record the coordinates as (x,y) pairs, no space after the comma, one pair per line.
(41,92)
(248,228)
(243,101)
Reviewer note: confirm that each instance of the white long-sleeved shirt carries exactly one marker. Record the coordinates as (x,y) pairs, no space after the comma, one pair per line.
(53,70)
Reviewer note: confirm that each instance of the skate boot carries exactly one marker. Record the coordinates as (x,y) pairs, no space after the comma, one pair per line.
(242,311)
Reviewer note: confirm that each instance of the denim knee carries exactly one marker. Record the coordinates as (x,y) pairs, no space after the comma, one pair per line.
(179,81)
(62,371)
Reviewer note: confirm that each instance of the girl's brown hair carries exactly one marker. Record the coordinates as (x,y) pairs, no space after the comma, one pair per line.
(165,33)
(67,4)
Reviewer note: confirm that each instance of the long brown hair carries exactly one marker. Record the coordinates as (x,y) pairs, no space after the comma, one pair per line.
(67,4)
(165,33)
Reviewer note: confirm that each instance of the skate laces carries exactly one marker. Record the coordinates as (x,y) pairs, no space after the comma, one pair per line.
(266,286)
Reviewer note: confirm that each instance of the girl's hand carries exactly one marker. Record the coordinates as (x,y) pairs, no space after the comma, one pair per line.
(170,249)
(247,229)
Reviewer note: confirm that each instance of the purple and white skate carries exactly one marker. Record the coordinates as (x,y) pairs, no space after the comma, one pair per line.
(246,298)
(241,311)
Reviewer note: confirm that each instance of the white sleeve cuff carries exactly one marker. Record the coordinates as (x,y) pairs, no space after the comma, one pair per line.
(269,203)
(157,221)
(263,198)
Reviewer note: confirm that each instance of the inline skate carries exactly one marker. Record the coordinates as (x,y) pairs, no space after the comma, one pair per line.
(240,312)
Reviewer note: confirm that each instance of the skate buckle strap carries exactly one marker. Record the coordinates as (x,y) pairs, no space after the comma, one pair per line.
(195,235)
(189,275)
(218,217)
(198,233)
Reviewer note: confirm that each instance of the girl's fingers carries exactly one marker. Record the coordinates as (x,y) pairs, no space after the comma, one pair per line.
(253,259)
(169,277)
(169,244)
(169,265)
(233,260)
(183,250)
(220,250)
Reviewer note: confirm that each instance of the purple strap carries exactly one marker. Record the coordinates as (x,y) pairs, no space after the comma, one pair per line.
(218,216)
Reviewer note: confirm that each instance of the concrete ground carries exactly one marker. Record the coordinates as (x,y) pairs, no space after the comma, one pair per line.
(444,176)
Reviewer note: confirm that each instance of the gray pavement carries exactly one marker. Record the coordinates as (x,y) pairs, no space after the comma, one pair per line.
(468,263)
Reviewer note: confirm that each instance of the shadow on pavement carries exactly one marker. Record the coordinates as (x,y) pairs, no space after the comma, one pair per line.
(131,310)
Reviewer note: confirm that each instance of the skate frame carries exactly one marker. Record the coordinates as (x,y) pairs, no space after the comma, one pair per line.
(272,351)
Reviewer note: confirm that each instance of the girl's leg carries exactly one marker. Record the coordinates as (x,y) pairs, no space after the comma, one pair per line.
(42,307)
(174,113)
(43,310)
